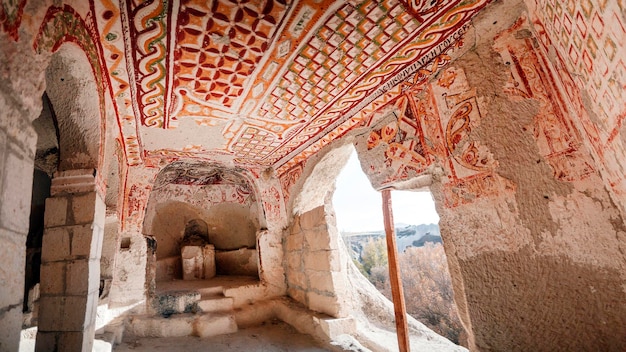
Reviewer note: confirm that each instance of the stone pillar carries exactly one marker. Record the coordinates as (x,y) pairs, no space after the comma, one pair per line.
(70,268)
(314,273)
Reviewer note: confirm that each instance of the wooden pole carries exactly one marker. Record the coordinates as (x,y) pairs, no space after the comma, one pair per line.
(394,275)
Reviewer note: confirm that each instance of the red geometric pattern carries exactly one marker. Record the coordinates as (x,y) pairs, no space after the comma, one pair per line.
(273,84)
(148,33)
(421,8)
(219,44)
(342,50)
(428,39)
(351,43)
(589,36)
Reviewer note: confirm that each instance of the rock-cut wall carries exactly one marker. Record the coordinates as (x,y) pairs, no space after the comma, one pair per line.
(534,239)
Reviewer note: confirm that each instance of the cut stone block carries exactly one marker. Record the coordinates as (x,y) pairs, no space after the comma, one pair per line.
(323,303)
(335,327)
(294,242)
(208,264)
(54,270)
(319,239)
(56,244)
(85,241)
(321,280)
(83,208)
(296,279)
(294,260)
(312,218)
(215,324)
(326,260)
(198,262)
(56,212)
(254,315)
(214,304)
(178,325)
(77,277)
(192,262)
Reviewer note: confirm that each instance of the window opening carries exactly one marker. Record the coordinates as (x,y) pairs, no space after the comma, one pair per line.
(422,261)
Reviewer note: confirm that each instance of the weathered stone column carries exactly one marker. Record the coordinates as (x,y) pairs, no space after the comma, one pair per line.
(70,269)
(21,87)
(17,152)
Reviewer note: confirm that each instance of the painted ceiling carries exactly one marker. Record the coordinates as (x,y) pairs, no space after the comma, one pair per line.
(257,82)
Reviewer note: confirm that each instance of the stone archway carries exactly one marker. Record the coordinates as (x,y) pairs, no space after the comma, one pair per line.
(75,213)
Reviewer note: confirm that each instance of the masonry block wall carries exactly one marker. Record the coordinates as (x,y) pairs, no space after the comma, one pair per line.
(70,270)
(312,263)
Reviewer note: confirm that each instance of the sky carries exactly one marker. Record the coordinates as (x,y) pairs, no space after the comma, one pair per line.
(358,206)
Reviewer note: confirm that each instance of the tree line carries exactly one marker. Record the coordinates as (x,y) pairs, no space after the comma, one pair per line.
(426,281)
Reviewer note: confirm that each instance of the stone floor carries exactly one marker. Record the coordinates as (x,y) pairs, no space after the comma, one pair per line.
(271,337)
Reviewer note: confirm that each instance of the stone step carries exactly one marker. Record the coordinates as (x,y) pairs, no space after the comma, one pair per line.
(215,304)
(177,325)
(211,291)
(215,324)
(116,328)
(180,325)
(104,342)
(175,302)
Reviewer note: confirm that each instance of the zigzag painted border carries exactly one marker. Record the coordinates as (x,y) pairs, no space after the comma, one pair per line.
(109,18)
(148,25)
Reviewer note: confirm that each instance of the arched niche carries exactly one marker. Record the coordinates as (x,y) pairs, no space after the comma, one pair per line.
(75,107)
(204,196)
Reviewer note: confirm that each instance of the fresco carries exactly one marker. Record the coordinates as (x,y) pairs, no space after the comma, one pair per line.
(557,138)
(11,16)
(236,68)
(590,41)
(431,123)
(586,42)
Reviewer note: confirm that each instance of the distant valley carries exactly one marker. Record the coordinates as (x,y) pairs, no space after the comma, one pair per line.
(406,235)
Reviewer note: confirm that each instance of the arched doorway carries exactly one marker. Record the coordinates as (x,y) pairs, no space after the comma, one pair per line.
(74,213)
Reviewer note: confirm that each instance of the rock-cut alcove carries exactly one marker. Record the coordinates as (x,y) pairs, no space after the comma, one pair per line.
(197,210)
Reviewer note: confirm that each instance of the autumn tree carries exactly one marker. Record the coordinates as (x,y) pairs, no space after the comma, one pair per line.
(426,280)
(374,255)
(428,289)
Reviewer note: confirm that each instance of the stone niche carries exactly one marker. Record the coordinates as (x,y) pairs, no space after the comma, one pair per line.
(205,220)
